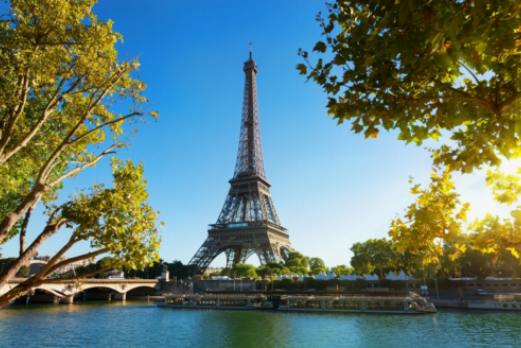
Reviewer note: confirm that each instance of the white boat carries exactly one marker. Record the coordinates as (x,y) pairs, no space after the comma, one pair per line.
(497,302)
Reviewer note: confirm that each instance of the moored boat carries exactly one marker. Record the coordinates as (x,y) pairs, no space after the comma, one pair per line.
(496,302)
(406,304)
(409,304)
(215,301)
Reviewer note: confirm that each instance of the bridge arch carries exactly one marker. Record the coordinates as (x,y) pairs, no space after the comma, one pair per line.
(137,286)
(48,291)
(117,288)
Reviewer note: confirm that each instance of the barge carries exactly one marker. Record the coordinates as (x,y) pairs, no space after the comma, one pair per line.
(407,304)
(496,302)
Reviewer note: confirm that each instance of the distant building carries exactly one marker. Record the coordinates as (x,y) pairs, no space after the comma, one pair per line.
(37,262)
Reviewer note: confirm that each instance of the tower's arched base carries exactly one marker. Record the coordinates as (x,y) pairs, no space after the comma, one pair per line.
(269,241)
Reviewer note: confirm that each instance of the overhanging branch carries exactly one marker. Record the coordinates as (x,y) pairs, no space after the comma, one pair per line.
(78,169)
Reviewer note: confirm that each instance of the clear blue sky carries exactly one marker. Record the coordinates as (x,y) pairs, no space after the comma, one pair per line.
(331,187)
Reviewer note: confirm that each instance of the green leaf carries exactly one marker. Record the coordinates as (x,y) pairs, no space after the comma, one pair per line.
(320,47)
(302,69)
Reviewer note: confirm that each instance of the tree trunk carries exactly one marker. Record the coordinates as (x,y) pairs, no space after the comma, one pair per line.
(29,252)
(14,216)
(20,290)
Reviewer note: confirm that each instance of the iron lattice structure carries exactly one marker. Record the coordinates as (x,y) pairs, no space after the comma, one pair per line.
(248,223)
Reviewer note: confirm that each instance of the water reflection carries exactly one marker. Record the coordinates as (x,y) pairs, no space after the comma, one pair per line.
(141,325)
(236,328)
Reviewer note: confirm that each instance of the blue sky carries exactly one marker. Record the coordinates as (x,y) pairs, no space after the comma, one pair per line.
(331,188)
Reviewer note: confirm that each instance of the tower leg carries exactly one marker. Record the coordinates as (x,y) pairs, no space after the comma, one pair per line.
(205,255)
(230,257)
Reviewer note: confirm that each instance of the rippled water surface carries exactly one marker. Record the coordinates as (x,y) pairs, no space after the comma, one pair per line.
(141,325)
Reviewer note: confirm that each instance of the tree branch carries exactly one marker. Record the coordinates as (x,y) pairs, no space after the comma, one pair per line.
(76,259)
(40,185)
(84,275)
(45,269)
(78,169)
(65,142)
(48,231)
(122,118)
(11,218)
(16,112)
(23,231)
(470,72)
(49,108)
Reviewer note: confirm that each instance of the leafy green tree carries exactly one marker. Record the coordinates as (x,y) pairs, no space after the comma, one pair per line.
(433,221)
(115,221)
(441,70)
(500,239)
(374,256)
(297,263)
(243,270)
(61,84)
(148,272)
(180,271)
(317,265)
(473,263)
(272,269)
(342,270)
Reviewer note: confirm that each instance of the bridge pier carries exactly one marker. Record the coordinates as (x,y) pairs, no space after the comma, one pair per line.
(68,299)
(120,296)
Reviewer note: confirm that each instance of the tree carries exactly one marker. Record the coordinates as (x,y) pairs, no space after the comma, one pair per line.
(61,84)
(500,240)
(342,270)
(116,221)
(317,265)
(243,270)
(373,256)
(432,222)
(425,69)
(475,264)
(297,263)
(180,271)
(272,269)
(153,271)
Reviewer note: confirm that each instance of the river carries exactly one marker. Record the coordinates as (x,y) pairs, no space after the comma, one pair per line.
(143,325)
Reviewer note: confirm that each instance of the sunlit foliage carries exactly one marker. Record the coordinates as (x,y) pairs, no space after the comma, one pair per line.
(63,90)
(427,69)
(433,220)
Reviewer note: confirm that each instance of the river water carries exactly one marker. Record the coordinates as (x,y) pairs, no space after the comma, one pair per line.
(144,325)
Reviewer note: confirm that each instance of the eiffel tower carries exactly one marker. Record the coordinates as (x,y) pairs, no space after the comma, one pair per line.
(248,223)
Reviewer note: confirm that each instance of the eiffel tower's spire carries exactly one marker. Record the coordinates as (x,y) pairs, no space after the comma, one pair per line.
(249,156)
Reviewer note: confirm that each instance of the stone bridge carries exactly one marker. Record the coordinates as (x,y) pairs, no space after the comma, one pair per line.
(65,290)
